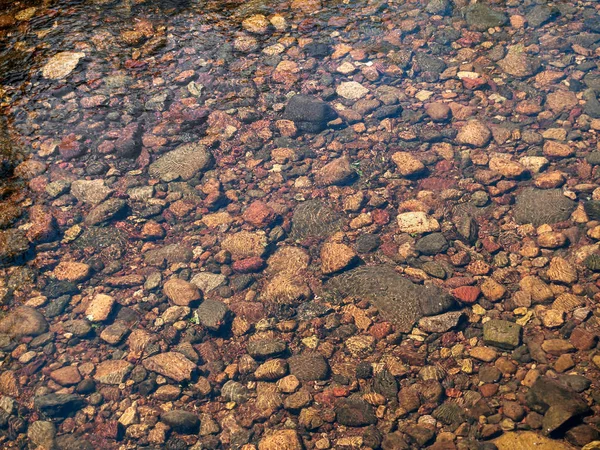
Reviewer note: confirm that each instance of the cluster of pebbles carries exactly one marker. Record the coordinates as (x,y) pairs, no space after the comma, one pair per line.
(304,224)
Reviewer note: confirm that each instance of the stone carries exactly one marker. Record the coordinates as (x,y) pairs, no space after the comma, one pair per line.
(181,421)
(337,172)
(90,191)
(245,244)
(71,271)
(438,111)
(354,412)
(272,370)
(475,133)
(14,244)
(528,439)
(554,149)
(502,334)
(335,257)
(561,271)
(58,405)
(66,376)
(440,323)
(309,366)
(314,218)
(309,113)
(186,161)
(61,65)
(557,346)
(105,211)
(417,222)
(506,167)
(351,90)
(172,365)
(112,371)
(519,65)
(41,433)
(207,282)
(407,164)
(181,292)
(281,440)
(23,321)
(100,308)
(481,17)
(561,100)
(259,214)
(540,207)
(212,314)
(397,298)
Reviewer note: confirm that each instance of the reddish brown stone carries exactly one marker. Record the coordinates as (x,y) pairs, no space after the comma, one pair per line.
(248,265)
(467,294)
(381,330)
(259,214)
(583,339)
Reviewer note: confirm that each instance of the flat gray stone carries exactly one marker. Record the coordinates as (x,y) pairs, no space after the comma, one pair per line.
(398,299)
(537,206)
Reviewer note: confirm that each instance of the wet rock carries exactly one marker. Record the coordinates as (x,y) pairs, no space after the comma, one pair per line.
(235,392)
(61,65)
(259,214)
(309,113)
(100,308)
(502,334)
(474,133)
(367,243)
(351,90)
(13,245)
(72,271)
(181,421)
(432,244)
(180,292)
(281,440)
(309,366)
(519,65)
(90,191)
(440,323)
(23,321)
(265,348)
(417,222)
(335,257)
(528,439)
(398,299)
(542,206)
(272,370)
(314,218)
(407,164)
(66,376)
(185,162)
(58,405)
(540,15)
(208,282)
(172,365)
(105,211)
(428,63)
(354,412)
(337,172)
(112,371)
(245,244)
(42,433)
(480,17)
(212,314)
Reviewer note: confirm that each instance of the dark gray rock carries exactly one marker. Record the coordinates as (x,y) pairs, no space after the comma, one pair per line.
(266,348)
(58,405)
(397,298)
(13,245)
(213,314)
(366,243)
(441,7)
(540,15)
(309,366)
(592,209)
(428,63)
(449,413)
(169,254)
(480,17)
(57,306)
(310,114)
(578,383)
(592,105)
(355,412)
(432,244)
(181,421)
(105,211)
(57,289)
(314,218)
(385,383)
(502,334)
(537,206)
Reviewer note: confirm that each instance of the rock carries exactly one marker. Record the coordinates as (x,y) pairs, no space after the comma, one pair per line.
(507,168)
(212,314)
(335,257)
(61,65)
(281,440)
(169,254)
(558,403)
(492,290)
(351,90)
(66,376)
(438,111)
(186,161)
(100,308)
(245,244)
(407,164)
(561,271)
(90,191)
(432,244)
(23,321)
(172,365)
(257,24)
(592,209)
(72,271)
(354,412)
(207,282)
(519,65)
(555,149)
(475,133)
(502,334)
(235,392)
(272,370)
(417,222)
(557,347)
(367,243)
(42,433)
(286,289)
(105,211)
(428,63)
(481,17)
(309,113)
(309,366)
(112,371)
(528,439)
(397,298)
(181,421)
(337,172)
(467,294)
(58,405)
(440,323)
(540,14)
(181,292)
(540,207)
(562,100)
(259,214)
(314,218)
(13,245)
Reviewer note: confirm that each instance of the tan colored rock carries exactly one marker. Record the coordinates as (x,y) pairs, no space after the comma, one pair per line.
(568,302)
(438,111)
(407,164)
(558,150)
(288,259)
(112,371)
(100,308)
(286,289)
(61,65)
(525,440)
(486,354)
(337,172)
(552,239)
(66,376)
(417,222)
(245,244)
(281,439)
(335,257)
(257,24)
(557,346)
(72,271)
(172,365)
(474,133)
(561,100)
(492,290)
(562,271)
(271,370)
(549,180)
(506,167)
(181,292)
(539,291)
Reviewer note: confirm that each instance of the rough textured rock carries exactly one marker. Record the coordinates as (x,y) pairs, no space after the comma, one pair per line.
(528,439)
(23,321)
(481,17)
(212,314)
(398,299)
(58,405)
(314,218)
(309,366)
(309,113)
(185,161)
(171,364)
(354,412)
(538,206)
(502,333)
